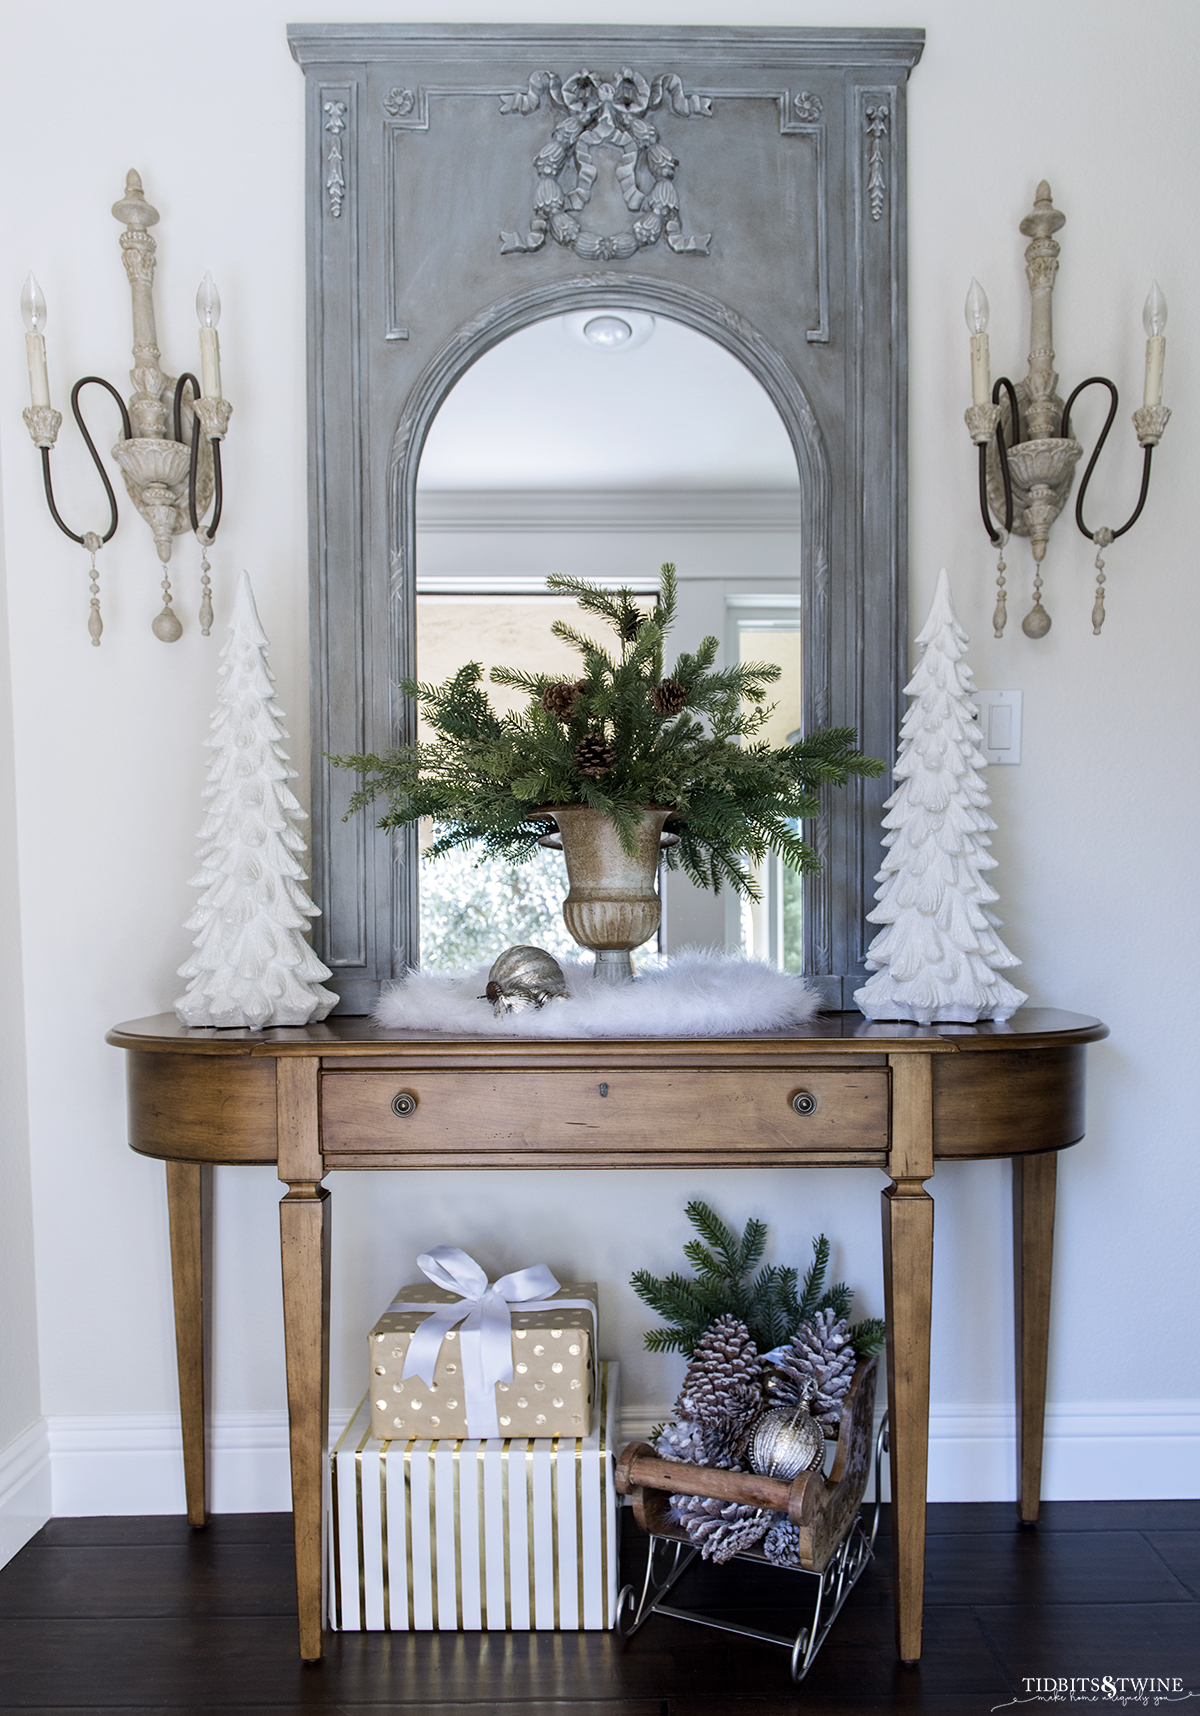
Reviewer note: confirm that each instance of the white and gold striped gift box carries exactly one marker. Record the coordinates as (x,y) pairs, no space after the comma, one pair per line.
(508,1533)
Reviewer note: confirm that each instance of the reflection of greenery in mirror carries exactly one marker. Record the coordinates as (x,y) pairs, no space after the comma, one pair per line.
(772,927)
(471,912)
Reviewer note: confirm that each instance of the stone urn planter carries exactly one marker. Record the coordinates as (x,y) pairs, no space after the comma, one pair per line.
(613,905)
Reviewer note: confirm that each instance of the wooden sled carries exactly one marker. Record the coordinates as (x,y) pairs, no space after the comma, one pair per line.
(836,1541)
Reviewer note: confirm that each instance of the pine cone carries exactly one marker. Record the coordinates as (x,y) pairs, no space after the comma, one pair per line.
(594,755)
(781,1545)
(669,697)
(821,1350)
(723,1389)
(560,700)
(720,1529)
(683,1441)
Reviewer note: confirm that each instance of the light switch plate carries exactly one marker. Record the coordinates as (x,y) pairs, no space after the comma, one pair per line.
(999,725)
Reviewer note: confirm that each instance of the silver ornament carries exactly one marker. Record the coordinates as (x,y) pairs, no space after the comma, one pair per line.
(786,1440)
(524,977)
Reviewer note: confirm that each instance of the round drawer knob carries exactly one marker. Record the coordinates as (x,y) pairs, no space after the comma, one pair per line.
(804,1102)
(404,1103)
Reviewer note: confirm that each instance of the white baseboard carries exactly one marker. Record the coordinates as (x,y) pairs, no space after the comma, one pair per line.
(1095,1451)
(134,1464)
(24,1489)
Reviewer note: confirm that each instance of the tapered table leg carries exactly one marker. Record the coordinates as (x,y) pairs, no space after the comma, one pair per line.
(304,1250)
(1034,1182)
(908,1301)
(304,1236)
(187,1187)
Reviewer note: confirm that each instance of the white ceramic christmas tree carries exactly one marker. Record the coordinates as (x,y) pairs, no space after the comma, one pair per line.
(938,959)
(252,966)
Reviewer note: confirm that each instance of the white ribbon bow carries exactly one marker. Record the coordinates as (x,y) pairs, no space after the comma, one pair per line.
(486,1320)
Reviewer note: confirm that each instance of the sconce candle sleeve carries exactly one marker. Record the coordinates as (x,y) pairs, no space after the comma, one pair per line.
(39,381)
(210,363)
(1156,351)
(981,370)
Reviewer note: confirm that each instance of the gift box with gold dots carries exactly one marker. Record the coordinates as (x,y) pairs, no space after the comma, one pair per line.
(554,1371)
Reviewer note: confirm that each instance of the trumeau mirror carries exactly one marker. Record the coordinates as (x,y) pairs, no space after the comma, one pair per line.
(468,182)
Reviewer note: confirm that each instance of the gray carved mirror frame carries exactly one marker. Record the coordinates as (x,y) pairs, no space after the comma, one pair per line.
(437,226)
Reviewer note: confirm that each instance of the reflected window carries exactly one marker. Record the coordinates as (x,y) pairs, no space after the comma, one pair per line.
(470,911)
(768,629)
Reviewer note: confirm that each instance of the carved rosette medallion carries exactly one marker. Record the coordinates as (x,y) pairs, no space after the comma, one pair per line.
(602,112)
(399,103)
(807,107)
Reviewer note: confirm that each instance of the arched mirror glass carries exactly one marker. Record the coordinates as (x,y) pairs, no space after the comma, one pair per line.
(601,443)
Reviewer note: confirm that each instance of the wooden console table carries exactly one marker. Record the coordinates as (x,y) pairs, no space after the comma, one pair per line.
(838,1092)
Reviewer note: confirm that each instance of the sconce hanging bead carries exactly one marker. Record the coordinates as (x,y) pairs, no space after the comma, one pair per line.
(169,450)
(1027,454)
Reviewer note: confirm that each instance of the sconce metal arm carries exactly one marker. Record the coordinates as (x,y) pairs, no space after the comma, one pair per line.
(1014,408)
(219,491)
(996,537)
(1103,381)
(126,431)
(194,466)
(187,379)
(210,530)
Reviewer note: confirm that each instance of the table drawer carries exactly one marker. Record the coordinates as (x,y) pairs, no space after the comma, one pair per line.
(542,1119)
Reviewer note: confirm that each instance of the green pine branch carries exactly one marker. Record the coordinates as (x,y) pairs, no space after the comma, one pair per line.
(767,1302)
(734,798)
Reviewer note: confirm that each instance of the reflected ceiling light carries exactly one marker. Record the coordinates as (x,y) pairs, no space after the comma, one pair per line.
(609,330)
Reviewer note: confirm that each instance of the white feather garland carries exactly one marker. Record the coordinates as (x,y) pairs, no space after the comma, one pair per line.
(697,994)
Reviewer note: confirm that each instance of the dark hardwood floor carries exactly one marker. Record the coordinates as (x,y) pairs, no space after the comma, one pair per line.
(143,1616)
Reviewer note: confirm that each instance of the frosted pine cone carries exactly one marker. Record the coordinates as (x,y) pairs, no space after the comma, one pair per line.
(560,700)
(594,755)
(720,1530)
(669,697)
(819,1350)
(781,1545)
(723,1389)
(683,1441)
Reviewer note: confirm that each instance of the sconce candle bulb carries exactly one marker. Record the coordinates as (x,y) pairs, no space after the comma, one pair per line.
(208,313)
(977,321)
(33,314)
(33,306)
(1154,320)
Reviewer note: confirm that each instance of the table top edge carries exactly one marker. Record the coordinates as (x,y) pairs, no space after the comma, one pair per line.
(354,1035)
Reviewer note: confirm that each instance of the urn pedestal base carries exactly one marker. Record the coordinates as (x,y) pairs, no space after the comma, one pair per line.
(612,906)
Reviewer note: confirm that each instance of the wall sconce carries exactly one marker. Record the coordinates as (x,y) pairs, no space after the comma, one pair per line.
(171,479)
(1027,455)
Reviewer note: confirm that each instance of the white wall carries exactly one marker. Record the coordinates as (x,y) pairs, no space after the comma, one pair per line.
(1097,827)
(24,1468)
